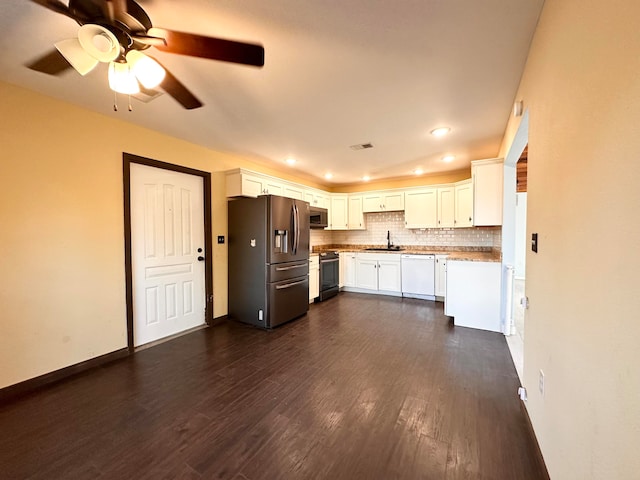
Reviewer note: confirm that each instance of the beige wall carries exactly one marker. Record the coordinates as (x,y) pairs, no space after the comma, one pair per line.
(62,289)
(582,88)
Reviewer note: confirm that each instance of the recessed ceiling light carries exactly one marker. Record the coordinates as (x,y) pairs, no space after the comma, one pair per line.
(328,176)
(418,171)
(291,161)
(440,131)
(448,158)
(366,178)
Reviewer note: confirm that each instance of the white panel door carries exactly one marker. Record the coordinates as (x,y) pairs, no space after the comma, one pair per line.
(167,237)
(339,212)
(421,208)
(390,273)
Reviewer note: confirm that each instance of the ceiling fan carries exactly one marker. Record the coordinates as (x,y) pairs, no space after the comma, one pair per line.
(117,32)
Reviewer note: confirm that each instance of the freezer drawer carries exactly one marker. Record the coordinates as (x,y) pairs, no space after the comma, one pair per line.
(288,299)
(284,271)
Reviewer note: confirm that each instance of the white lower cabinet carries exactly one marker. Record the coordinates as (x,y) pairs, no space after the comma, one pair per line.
(390,273)
(366,272)
(347,269)
(379,273)
(314,277)
(473,294)
(441,276)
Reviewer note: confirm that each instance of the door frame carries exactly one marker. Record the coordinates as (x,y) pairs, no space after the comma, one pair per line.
(127,160)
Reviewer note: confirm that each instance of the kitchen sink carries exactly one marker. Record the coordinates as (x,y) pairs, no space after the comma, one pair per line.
(391,249)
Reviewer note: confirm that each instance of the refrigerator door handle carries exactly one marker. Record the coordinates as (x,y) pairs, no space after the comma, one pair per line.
(289,285)
(296,232)
(294,228)
(282,269)
(297,228)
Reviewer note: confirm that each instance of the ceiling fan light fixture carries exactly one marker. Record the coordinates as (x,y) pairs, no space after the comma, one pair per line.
(149,72)
(122,79)
(79,59)
(99,42)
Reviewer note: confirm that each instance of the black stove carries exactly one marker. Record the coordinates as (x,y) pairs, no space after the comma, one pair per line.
(329,275)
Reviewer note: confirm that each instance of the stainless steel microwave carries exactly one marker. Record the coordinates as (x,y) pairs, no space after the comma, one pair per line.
(318,217)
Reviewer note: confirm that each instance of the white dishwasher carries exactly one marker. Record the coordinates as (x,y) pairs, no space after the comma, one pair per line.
(418,276)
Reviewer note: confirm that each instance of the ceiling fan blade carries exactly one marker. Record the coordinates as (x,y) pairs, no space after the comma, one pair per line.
(55,5)
(149,39)
(52,63)
(178,91)
(208,47)
(114,9)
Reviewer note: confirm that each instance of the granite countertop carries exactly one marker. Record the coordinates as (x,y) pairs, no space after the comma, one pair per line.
(471,254)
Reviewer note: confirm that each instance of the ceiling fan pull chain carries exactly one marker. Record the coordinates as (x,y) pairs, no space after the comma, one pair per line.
(115,101)
(130,107)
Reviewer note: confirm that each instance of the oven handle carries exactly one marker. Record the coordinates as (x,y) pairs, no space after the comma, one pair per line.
(289,285)
(330,261)
(282,269)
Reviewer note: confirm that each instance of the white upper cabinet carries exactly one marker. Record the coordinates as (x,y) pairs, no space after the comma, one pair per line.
(421,208)
(464,204)
(339,212)
(446,206)
(242,183)
(317,198)
(487,176)
(383,201)
(273,187)
(356,216)
(468,203)
(293,191)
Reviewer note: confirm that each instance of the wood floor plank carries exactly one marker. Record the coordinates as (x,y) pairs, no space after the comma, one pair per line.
(363,387)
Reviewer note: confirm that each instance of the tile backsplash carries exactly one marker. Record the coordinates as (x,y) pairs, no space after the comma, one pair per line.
(379,223)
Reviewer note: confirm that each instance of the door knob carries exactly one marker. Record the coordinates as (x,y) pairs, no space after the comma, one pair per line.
(200,258)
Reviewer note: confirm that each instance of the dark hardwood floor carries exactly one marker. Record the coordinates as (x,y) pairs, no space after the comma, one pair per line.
(363,387)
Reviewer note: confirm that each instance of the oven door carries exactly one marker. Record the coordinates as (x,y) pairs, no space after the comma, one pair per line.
(329,277)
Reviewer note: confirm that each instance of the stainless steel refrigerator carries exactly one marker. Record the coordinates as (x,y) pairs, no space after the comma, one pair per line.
(268,260)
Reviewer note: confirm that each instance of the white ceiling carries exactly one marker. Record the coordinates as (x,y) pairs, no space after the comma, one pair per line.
(337,73)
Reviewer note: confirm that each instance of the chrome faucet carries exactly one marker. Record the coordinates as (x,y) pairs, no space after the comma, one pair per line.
(389,244)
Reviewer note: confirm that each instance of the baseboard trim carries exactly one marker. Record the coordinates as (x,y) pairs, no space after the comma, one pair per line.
(17,390)
(542,466)
(219,320)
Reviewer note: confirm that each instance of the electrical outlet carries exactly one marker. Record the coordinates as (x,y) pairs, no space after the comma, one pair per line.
(541,383)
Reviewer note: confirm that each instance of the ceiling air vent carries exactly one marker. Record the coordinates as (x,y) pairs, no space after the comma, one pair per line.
(361,146)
